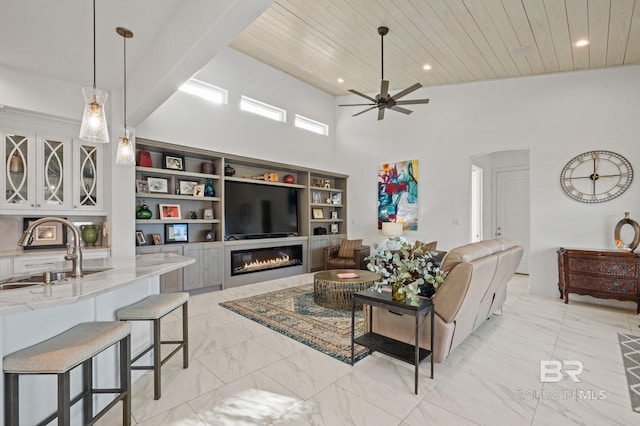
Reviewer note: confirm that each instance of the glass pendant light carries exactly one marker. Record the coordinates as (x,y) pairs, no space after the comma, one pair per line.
(94,121)
(126,147)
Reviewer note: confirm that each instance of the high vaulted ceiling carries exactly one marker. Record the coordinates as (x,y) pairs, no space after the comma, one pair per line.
(319,41)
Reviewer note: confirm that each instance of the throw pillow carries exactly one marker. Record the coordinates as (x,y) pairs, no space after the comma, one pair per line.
(348,246)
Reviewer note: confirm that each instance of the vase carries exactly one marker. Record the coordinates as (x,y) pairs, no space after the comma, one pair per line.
(208,189)
(635,229)
(208,168)
(90,234)
(397,292)
(229,171)
(144,212)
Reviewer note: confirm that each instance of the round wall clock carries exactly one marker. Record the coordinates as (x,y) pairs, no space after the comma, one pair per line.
(596,176)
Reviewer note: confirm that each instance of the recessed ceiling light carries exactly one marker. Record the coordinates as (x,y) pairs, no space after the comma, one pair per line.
(426,67)
(583,42)
(340,80)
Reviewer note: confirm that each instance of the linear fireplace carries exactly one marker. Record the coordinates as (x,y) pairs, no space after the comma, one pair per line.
(261,259)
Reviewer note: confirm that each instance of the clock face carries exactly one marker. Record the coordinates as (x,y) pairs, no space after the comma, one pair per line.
(596,176)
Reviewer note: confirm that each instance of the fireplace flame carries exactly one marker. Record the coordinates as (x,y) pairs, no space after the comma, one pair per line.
(266,264)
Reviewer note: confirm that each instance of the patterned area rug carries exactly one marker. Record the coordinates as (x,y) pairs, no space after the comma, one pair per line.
(293,313)
(630,348)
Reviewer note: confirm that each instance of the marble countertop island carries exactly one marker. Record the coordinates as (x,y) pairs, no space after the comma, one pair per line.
(33,314)
(118,273)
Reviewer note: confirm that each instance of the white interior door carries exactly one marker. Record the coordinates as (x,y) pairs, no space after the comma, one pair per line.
(512,210)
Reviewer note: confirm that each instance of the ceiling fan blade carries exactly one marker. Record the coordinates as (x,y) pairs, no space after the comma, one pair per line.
(362,94)
(402,110)
(414,101)
(384,89)
(406,91)
(381,113)
(362,112)
(356,104)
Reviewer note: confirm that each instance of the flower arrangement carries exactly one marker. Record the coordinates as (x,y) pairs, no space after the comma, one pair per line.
(410,271)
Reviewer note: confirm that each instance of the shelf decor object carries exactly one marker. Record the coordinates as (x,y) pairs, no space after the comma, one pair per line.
(170,211)
(208,189)
(90,234)
(630,247)
(126,143)
(144,212)
(94,121)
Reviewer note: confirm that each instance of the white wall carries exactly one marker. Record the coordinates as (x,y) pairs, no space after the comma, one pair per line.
(192,121)
(555,117)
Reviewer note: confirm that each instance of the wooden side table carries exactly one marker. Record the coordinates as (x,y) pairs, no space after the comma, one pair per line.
(413,354)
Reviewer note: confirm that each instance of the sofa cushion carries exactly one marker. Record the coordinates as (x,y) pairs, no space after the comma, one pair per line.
(470,252)
(347,247)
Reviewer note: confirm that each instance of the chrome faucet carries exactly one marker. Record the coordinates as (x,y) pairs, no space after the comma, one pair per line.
(74,254)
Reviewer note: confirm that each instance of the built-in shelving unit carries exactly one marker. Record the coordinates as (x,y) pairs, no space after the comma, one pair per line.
(308,183)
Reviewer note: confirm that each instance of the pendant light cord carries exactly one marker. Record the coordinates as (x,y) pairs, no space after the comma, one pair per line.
(94,44)
(125,85)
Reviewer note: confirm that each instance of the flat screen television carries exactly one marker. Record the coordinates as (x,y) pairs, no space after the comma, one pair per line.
(259,211)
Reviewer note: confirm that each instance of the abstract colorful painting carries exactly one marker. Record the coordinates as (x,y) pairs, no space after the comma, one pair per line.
(398,194)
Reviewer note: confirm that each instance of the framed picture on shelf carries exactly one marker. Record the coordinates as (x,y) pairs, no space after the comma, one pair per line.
(173,162)
(208,214)
(315,197)
(317,213)
(157,239)
(334,214)
(198,190)
(142,186)
(334,228)
(160,185)
(140,239)
(170,211)
(46,235)
(176,233)
(336,198)
(186,187)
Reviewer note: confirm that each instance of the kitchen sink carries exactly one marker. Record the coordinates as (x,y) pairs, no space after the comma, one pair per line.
(14,286)
(19,282)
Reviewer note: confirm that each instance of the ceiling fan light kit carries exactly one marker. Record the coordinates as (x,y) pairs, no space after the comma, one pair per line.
(383,100)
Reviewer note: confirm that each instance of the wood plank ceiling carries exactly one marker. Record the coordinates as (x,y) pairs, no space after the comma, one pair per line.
(320,41)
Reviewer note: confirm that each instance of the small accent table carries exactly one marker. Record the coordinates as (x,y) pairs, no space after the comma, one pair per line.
(413,354)
(333,292)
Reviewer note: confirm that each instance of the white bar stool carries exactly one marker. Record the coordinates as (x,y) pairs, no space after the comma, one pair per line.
(62,353)
(154,308)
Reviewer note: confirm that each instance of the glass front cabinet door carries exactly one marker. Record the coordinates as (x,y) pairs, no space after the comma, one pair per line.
(88,176)
(37,174)
(54,173)
(18,182)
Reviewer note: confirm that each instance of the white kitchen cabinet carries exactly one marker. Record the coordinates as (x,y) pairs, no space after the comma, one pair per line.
(6,268)
(49,175)
(88,176)
(37,173)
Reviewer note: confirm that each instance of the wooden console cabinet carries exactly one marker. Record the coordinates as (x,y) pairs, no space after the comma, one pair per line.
(599,273)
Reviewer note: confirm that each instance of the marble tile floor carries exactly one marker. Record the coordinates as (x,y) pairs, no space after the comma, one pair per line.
(242,373)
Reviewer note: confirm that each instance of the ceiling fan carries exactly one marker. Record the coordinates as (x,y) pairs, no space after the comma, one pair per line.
(383,100)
